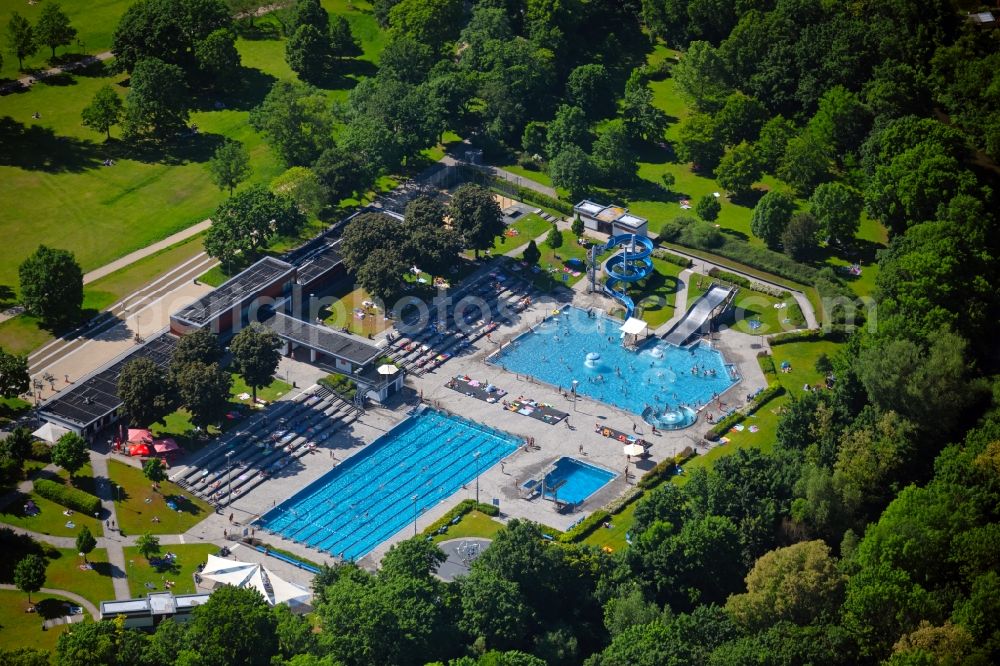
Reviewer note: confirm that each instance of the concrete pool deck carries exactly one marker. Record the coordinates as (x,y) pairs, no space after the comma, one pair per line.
(502,481)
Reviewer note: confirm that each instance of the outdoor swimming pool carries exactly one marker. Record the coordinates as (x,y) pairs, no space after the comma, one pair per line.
(573,481)
(654,382)
(370,496)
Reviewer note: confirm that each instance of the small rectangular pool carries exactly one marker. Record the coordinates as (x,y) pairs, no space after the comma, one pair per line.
(572,481)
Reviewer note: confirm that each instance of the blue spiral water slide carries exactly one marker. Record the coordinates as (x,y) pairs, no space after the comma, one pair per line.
(630,265)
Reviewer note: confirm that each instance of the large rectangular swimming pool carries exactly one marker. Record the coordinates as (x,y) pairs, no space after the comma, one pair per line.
(378,491)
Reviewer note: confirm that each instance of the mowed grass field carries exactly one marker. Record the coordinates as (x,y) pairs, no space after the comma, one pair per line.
(52,179)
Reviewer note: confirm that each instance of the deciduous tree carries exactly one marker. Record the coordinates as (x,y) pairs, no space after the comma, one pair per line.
(71,453)
(699,142)
(799,239)
(739,169)
(588,87)
(199,345)
(296,121)
(53,28)
(204,391)
(837,208)
(103,111)
(701,76)
(29,574)
(770,217)
(248,221)
(20,38)
(708,208)
(14,376)
(573,170)
(256,351)
(303,186)
(476,215)
(613,155)
(568,128)
(156,105)
(308,53)
(153,470)
(531,253)
(148,545)
(218,57)
(52,287)
(230,165)
(145,391)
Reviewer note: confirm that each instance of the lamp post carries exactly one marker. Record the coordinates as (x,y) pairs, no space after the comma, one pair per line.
(229,474)
(575,384)
(476,456)
(414,498)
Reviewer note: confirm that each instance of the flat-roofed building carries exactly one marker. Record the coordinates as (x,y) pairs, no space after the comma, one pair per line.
(153,609)
(613,220)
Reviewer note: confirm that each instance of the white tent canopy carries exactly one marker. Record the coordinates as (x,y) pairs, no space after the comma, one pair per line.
(247,574)
(50,432)
(633,326)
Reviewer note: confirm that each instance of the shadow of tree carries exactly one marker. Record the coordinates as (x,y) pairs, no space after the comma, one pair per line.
(748,199)
(14,547)
(38,148)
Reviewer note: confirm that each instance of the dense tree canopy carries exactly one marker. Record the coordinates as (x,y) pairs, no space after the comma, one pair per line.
(52,287)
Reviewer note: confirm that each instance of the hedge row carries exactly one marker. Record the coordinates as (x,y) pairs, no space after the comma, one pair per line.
(812,335)
(585,527)
(672,258)
(747,283)
(71,498)
(723,426)
(743,252)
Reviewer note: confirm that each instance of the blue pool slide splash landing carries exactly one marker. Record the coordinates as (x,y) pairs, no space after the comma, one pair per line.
(631,265)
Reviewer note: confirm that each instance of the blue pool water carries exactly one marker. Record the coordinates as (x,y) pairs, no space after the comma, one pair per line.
(653,381)
(573,481)
(369,497)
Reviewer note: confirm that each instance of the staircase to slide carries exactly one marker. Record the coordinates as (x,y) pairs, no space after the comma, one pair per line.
(630,265)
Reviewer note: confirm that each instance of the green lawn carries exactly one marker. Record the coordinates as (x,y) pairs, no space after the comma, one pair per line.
(340,312)
(50,519)
(754,306)
(94,20)
(473,524)
(553,261)
(271,392)
(139,504)
(189,556)
(614,537)
(529,227)
(21,335)
(94,584)
(105,292)
(657,300)
(21,629)
(802,358)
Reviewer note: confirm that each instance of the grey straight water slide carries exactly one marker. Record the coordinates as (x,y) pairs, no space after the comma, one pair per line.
(697,315)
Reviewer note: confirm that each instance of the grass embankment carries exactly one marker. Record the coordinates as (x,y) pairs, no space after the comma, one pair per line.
(473,524)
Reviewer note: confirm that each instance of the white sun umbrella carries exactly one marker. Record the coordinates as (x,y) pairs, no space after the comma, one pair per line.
(387,369)
(633,449)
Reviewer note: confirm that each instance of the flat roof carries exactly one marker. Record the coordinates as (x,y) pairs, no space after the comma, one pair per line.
(611,213)
(235,290)
(590,207)
(322,339)
(631,220)
(97,395)
(323,260)
(124,606)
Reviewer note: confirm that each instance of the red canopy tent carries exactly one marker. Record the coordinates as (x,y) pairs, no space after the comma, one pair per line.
(165,445)
(138,449)
(140,435)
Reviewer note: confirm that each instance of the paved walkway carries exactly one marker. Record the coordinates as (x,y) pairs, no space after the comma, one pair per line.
(133,257)
(26,81)
(703,266)
(115,547)
(91,608)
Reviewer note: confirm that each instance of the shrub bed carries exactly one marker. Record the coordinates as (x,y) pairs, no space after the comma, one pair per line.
(71,498)
(813,335)
(339,384)
(672,258)
(41,451)
(760,258)
(584,528)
